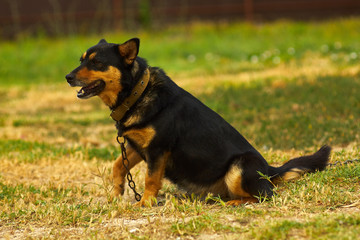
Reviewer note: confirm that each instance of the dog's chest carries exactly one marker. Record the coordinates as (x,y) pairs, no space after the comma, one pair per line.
(141,137)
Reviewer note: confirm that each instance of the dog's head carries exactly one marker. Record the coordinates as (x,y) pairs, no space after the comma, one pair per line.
(101,69)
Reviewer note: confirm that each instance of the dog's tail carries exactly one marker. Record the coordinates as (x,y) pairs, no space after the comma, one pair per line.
(294,168)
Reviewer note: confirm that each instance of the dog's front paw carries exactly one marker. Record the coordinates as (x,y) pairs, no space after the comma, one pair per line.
(118,190)
(150,202)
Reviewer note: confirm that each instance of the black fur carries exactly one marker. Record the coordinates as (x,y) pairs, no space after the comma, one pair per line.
(202,144)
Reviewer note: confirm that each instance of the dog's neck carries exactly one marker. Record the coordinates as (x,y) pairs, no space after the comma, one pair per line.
(118,113)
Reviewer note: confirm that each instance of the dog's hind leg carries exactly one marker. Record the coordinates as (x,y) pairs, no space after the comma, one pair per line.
(234,182)
(243,181)
(119,171)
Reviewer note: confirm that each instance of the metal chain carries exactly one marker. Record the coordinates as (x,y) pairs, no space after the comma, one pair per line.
(337,163)
(131,183)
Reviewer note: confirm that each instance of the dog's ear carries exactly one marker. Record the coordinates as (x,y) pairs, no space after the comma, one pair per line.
(102,41)
(129,50)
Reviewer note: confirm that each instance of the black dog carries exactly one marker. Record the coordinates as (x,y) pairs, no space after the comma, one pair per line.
(178,136)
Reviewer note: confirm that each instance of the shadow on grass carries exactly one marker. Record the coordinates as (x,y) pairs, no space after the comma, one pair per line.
(292,113)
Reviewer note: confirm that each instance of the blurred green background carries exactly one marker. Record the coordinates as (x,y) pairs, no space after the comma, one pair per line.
(282,83)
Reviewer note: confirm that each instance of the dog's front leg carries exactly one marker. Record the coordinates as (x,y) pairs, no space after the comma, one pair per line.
(153,181)
(119,171)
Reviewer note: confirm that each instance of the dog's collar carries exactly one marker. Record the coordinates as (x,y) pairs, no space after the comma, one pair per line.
(118,113)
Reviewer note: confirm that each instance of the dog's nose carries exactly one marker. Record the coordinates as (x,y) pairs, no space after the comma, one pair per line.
(70,77)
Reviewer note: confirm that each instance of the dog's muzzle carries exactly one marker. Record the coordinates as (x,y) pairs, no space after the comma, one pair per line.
(70,78)
(88,89)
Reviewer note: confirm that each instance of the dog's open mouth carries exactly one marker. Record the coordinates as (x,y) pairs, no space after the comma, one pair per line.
(91,89)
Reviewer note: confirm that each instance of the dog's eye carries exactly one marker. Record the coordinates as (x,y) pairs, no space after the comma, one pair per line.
(97,63)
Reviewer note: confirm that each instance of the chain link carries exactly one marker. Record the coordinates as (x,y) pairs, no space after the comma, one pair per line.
(131,183)
(338,163)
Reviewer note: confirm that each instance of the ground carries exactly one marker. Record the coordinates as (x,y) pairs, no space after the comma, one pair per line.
(56,151)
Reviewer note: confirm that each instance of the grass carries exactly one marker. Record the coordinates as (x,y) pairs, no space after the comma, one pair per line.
(191,50)
(288,87)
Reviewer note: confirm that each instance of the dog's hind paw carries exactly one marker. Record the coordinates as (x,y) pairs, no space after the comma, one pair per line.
(237,202)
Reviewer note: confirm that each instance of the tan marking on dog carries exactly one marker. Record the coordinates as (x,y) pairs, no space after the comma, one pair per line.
(133,119)
(233,181)
(292,174)
(83,56)
(244,200)
(128,51)
(111,77)
(119,171)
(153,181)
(91,57)
(142,137)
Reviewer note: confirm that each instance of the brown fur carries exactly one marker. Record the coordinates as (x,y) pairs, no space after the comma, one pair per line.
(141,137)
(126,50)
(233,180)
(84,55)
(293,174)
(241,201)
(153,181)
(111,78)
(92,56)
(119,171)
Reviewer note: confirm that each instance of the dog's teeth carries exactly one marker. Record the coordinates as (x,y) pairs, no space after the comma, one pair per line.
(80,92)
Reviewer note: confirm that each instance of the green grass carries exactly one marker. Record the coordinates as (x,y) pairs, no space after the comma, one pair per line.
(190,50)
(321,111)
(326,227)
(288,87)
(32,151)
